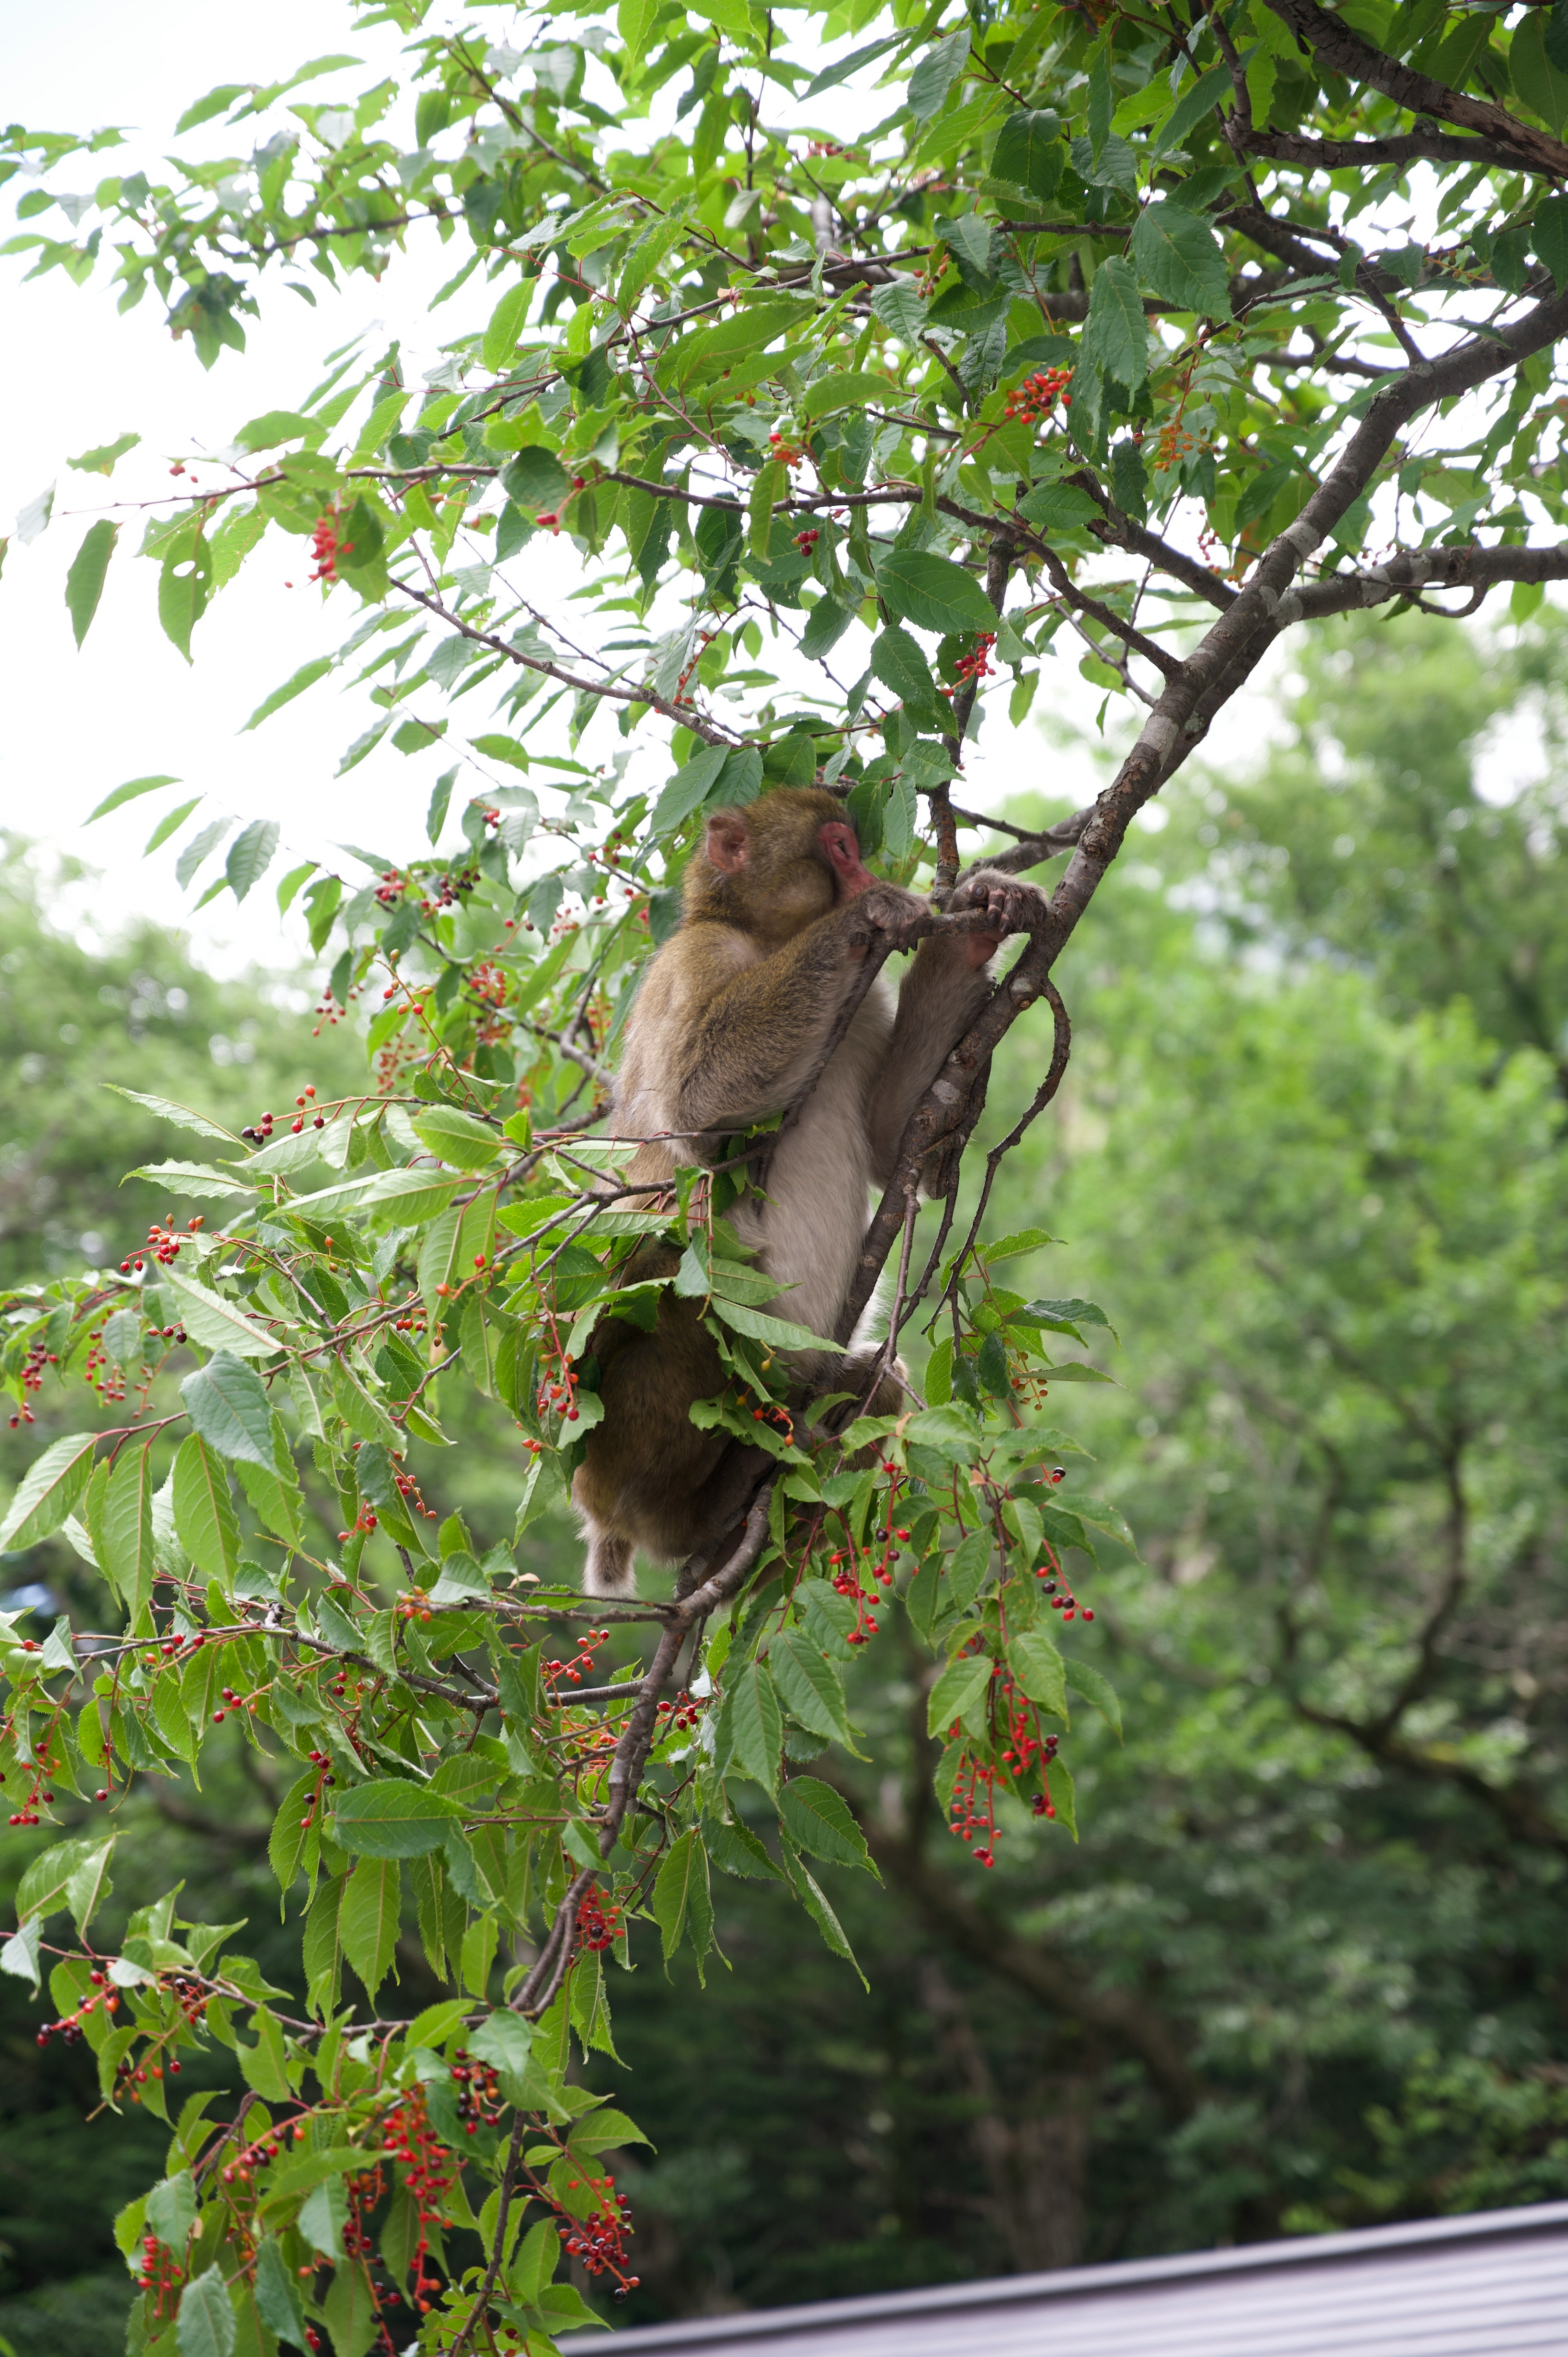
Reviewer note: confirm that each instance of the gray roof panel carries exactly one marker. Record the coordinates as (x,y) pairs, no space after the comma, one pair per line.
(1492,2286)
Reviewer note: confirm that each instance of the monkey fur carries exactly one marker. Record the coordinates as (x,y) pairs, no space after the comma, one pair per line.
(730,1018)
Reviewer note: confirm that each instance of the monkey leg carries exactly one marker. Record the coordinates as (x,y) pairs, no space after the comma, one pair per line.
(648,1478)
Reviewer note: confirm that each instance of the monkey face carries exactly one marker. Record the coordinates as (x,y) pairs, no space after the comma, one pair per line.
(777,865)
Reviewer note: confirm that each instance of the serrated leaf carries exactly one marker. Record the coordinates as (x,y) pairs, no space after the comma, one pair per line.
(818,1819)
(809,1685)
(216,1322)
(250,854)
(1038,1665)
(390,1818)
(1177,255)
(1095,1688)
(120,1517)
(47,1885)
(896,659)
(959,1696)
(129,792)
(1057,507)
(680,1889)
(277,2299)
(736,1850)
(84,582)
(47,1491)
(933,592)
(168,1110)
(196,851)
(207,2325)
(204,1511)
(935,75)
(757,1724)
(296,684)
(193,1178)
(458,1137)
(227,1403)
(368,1920)
(1030,152)
(813,1897)
(289,1836)
(845,389)
(1116,338)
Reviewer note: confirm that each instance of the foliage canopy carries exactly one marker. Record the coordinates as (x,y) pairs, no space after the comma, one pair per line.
(1089,291)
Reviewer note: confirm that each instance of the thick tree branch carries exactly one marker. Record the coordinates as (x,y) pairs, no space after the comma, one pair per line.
(1344,49)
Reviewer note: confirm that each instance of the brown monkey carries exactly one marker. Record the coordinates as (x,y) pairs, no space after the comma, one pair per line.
(731,1016)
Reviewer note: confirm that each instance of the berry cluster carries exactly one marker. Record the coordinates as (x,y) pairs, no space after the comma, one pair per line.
(445,888)
(683,1713)
(478,2092)
(787,453)
(600,2241)
(1175,444)
(1038,395)
(414,1605)
(977,665)
(807,540)
(572,1671)
(429,2172)
(159,2275)
(326,547)
(162,1246)
(99,1373)
(598,1926)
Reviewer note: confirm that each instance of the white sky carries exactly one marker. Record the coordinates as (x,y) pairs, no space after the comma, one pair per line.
(79,375)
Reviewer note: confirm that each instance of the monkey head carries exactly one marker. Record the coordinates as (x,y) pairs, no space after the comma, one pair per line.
(774,866)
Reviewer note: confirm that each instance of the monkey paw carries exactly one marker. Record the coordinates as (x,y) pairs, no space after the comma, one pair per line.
(1011,905)
(888,909)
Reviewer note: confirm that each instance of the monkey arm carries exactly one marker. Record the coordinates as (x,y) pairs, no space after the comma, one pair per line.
(940,997)
(749,1029)
(944,990)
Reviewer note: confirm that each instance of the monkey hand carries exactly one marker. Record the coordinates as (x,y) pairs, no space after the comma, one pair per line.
(888,909)
(1011,906)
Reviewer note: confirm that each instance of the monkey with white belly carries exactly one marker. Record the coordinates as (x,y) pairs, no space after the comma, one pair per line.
(728,1024)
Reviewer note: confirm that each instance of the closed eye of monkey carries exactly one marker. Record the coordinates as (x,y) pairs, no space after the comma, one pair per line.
(731,1018)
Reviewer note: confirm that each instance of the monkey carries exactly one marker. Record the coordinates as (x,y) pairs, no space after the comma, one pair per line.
(732,1015)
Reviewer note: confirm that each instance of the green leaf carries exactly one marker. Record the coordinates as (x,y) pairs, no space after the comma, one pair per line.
(185,584)
(165,1107)
(959,1696)
(933,592)
(84,582)
(757,1724)
(119,1516)
(1030,152)
(1095,1688)
(1202,99)
(368,1920)
(171,2212)
(1175,255)
(1038,1665)
(67,1872)
(935,75)
(458,1137)
(535,481)
(216,1322)
(277,2297)
(206,2326)
(265,2064)
(323,2215)
(809,1684)
(845,389)
(816,1818)
(505,324)
(202,110)
(47,1491)
(129,792)
(634,22)
(296,684)
(1116,338)
(250,854)
(290,1835)
(681,1893)
(896,659)
(390,1818)
(227,1403)
(274,425)
(169,824)
(1057,507)
(1549,238)
(736,1850)
(813,1899)
(106,457)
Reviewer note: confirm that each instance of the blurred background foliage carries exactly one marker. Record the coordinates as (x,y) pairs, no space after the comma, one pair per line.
(1308,1965)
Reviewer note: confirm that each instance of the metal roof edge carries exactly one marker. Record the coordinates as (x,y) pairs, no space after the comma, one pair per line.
(1065,2283)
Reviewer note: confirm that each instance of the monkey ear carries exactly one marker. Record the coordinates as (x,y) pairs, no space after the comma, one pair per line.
(728,844)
